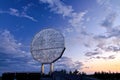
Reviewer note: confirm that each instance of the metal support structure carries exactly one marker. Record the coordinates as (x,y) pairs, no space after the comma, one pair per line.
(42,68)
(51,68)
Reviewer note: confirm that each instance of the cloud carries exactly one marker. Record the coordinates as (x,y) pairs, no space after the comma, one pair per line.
(109,20)
(111,57)
(108,24)
(58,7)
(115,31)
(105,58)
(109,41)
(68,64)
(11,48)
(106,5)
(113,48)
(17,13)
(28,17)
(77,20)
(14,12)
(88,54)
(27,7)
(102,2)
(74,18)
(12,57)
(8,43)
(108,44)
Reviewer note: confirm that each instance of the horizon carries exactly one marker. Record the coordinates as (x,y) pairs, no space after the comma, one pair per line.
(90,28)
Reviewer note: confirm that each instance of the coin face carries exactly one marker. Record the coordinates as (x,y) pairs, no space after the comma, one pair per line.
(47,46)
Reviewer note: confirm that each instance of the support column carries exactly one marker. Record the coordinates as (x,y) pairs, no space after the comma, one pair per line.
(51,68)
(42,68)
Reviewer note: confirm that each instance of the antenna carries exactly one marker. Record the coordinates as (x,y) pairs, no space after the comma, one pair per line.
(47,47)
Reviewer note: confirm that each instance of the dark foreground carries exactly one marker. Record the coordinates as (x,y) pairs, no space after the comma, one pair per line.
(37,76)
(60,75)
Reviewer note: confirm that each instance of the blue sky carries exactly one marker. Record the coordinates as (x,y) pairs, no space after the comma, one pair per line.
(91,30)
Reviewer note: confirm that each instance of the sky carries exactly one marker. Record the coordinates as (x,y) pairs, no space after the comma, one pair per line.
(91,29)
